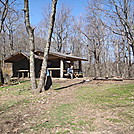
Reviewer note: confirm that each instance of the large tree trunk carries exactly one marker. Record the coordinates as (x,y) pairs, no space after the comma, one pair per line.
(30,32)
(2,19)
(47,47)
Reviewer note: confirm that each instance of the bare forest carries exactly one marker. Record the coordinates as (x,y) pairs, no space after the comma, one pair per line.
(103,34)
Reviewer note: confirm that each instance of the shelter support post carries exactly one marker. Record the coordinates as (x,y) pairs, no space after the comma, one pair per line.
(80,68)
(61,68)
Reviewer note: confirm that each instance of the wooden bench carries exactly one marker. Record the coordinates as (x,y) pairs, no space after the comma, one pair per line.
(76,75)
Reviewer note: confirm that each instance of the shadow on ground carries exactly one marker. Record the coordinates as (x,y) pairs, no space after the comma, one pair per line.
(70,85)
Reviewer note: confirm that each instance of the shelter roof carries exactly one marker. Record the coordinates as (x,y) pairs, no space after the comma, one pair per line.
(64,56)
(19,56)
(52,55)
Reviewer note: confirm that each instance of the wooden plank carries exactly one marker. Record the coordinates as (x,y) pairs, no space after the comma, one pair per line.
(22,71)
(53,68)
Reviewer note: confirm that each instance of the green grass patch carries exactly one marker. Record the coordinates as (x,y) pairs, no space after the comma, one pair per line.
(56,85)
(64,132)
(114,120)
(20,89)
(9,104)
(60,116)
(110,95)
(21,86)
(128,116)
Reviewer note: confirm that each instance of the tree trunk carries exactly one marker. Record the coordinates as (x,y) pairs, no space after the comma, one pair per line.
(47,47)
(129,62)
(30,32)
(3,14)
(2,19)
(133,51)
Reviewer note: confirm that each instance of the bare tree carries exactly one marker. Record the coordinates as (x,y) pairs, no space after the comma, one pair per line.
(12,23)
(3,15)
(30,32)
(93,34)
(21,39)
(109,23)
(9,21)
(47,48)
(75,45)
(120,19)
(3,12)
(61,29)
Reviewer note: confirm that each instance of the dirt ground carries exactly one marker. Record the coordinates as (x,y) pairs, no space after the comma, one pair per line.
(28,112)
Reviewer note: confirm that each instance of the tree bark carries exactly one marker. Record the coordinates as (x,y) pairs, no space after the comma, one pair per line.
(30,32)
(2,19)
(4,14)
(129,63)
(47,47)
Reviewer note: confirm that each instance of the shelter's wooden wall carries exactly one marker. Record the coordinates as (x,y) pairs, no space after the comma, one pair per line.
(7,69)
(55,63)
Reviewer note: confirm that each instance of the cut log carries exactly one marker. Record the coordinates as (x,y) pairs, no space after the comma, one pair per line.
(109,79)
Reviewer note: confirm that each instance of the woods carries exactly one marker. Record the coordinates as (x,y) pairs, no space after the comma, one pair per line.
(103,33)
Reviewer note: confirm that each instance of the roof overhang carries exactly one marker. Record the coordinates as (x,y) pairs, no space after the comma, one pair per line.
(16,57)
(55,55)
(52,55)
(19,56)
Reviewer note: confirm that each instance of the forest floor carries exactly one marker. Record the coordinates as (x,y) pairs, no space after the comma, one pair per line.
(69,107)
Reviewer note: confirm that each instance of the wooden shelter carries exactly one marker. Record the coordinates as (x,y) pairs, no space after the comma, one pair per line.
(58,63)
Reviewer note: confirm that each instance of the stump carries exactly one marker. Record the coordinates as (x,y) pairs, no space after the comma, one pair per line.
(1,78)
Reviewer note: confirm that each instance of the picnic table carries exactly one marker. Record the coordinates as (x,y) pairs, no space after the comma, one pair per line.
(23,73)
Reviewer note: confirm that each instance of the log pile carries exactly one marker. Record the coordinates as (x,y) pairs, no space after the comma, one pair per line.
(108,78)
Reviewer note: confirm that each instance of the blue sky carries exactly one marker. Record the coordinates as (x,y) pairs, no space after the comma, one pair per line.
(36,8)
